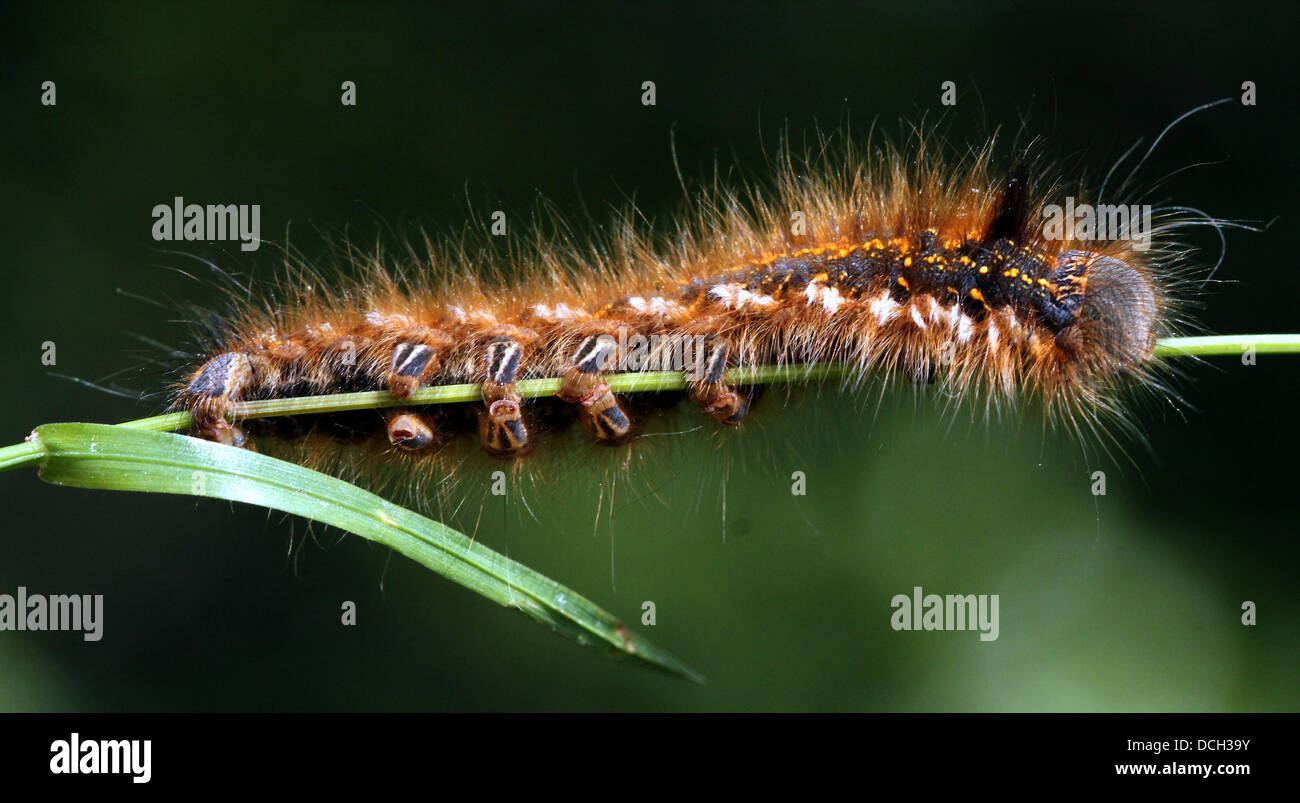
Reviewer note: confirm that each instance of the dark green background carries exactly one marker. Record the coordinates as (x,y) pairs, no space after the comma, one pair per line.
(1127,602)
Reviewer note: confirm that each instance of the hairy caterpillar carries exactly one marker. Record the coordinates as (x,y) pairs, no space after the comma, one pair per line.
(885,259)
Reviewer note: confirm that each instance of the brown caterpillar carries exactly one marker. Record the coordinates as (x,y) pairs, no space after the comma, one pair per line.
(889,261)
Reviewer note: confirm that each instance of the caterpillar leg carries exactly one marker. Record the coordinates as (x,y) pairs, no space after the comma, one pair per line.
(415,359)
(213,390)
(501,426)
(709,390)
(585,386)
(410,431)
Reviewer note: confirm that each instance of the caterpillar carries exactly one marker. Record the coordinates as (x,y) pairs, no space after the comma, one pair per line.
(896,260)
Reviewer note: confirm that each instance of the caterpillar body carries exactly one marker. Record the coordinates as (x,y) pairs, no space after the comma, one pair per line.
(889,262)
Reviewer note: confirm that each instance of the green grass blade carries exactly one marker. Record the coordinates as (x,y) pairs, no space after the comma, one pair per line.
(134,456)
(1221,345)
(20,454)
(1218,345)
(125,459)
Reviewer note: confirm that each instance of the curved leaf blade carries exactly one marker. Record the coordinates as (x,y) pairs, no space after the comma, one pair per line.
(124,459)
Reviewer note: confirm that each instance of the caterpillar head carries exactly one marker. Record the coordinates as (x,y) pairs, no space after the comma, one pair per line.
(1118,311)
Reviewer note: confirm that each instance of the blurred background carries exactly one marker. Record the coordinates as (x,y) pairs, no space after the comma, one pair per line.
(1130,601)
